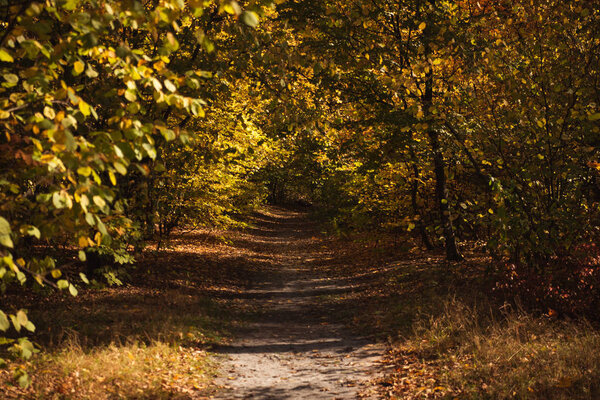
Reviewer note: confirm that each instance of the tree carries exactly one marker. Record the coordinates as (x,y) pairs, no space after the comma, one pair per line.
(95,94)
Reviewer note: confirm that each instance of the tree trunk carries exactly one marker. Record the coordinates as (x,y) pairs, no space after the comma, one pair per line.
(441,193)
(441,189)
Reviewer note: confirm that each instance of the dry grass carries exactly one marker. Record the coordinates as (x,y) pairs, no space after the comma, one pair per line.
(452,338)
(145,340)
(131,343)
(468,353)
(155,371)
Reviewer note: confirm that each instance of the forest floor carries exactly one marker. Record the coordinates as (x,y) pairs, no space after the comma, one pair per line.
(295,343)
(269,312)
(280,310)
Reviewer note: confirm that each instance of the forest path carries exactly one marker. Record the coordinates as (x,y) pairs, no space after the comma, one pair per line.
(292,343)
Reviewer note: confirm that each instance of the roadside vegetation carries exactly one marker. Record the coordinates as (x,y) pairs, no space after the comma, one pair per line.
(453,145)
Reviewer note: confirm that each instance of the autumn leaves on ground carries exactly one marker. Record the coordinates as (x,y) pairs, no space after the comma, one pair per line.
(446,154)
(308,314)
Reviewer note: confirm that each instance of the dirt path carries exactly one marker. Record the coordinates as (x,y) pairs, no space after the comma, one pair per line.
(292,344)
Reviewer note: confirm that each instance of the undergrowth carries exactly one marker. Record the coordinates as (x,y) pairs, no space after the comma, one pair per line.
(147,339)
(474,353)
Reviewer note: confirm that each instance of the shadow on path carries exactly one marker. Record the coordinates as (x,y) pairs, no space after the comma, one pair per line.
(292,341)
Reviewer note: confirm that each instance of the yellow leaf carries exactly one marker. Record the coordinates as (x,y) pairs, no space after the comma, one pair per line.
(49,112)
(84,108)
(78,68)
(98,238)
(85,171)
(113,179)
(83,241)
(422,26)
(99,201)
(4,56)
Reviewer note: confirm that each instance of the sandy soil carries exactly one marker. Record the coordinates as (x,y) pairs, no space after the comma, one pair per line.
(293,344)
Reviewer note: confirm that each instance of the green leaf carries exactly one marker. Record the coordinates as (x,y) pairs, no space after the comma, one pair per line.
(99,201)
(168,134)
(89,218)
(82,256)
(15,322)
(232,8)
(149,150)
(170,86)
(250,18)
(62,284)
(29,326)
(84,278)
(112,178)
(170,43)
(197,7)
(22,317)
(130,95)
(90,72)
(101,226)
(120,168)
(70,4)
(33,231)
(24,380)
(208,45)
(134,107)
(62,200)
(157,85)
(49,112)
(5,239)
(21,277)
(26,348)
(73,290)
(4,323)
(11,78)
(594,117)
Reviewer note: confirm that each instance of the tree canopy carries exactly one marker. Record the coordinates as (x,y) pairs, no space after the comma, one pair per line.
(463,123)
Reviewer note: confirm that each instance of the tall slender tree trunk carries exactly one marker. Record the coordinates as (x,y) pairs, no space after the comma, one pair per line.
(441,189)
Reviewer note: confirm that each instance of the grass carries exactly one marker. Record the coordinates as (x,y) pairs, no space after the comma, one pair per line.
(137,370)
(468,353)
(122,343)
(149,339)
(451,337)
